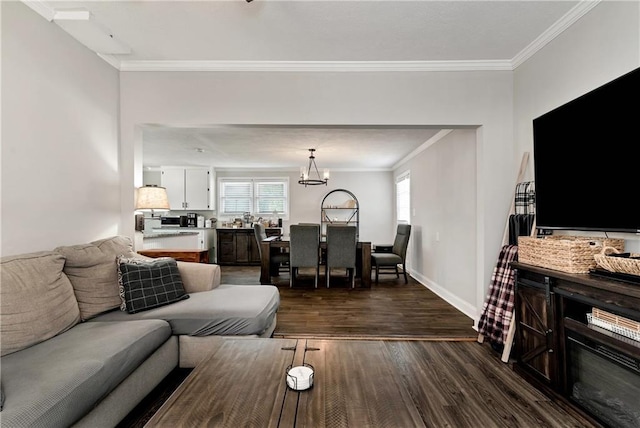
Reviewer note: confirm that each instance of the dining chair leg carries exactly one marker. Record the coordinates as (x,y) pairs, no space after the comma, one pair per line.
(377,271)
(404,270)
(326,275)
(397,273)
(352,277)
(317,276)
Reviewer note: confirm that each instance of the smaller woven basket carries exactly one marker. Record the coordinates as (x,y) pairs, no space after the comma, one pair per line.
(615,323)
(572,254)
(617,264)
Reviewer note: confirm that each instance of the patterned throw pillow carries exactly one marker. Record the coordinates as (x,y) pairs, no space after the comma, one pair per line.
(147,284)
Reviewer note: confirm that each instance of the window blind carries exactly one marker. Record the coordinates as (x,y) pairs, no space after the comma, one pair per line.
(258,196)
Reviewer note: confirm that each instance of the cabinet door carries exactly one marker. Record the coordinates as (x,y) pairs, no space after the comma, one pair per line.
(535,335)
(197,183)
(243,247)
(226,247)
(173,181)
(202,240)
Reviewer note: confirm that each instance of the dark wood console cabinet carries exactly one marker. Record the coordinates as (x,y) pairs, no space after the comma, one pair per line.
(552,328)
(536,334)
(239,246)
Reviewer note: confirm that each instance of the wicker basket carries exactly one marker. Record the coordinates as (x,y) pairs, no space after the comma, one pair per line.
(615,323)
(617,264)
(572,254)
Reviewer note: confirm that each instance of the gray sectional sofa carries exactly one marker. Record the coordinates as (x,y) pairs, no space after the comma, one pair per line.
(72,354)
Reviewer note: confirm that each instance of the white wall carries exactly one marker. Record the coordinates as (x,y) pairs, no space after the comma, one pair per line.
(443,222)
(60,177)
(601,46)
(374,191)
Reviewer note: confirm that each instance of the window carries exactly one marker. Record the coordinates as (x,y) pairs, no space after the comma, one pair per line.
(261,197)
(403,198)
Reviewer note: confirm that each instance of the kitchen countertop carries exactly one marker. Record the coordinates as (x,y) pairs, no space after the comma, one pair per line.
(186,229)
(166,234)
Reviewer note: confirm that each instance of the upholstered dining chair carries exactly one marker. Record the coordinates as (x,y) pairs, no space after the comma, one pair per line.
(388,262)
(279,261)
(304,250)
(341,251)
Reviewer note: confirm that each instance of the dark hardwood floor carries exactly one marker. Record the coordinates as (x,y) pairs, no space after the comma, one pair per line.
(390,310)
(465,385)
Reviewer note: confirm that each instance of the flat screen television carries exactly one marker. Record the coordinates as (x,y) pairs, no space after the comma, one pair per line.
(587,160)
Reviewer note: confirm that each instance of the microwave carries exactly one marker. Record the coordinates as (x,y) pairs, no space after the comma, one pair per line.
(170,221)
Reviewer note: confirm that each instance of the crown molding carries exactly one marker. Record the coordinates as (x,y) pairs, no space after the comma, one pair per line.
(42,7)
(317,66)
(554,31)
(295,169)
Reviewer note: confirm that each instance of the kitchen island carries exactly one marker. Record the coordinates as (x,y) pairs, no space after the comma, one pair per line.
(155,240)
(190,238)
(195,256)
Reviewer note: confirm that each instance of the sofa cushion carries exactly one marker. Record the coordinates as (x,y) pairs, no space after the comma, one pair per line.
(55,383)
(225,310)
(147,284)
(36,300)
(93,273)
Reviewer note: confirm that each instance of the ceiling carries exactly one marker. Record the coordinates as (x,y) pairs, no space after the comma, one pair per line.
(344,35)
(285,147)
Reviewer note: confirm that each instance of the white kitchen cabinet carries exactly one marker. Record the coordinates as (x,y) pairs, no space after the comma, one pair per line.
(188,188)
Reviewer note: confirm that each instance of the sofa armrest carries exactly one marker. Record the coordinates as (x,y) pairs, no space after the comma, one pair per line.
(199,276)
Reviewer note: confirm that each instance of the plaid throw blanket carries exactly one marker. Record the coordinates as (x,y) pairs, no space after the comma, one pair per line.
(498,307)
(525,198)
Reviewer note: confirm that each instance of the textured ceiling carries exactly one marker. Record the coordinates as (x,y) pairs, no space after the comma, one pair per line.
(305,30)
(337,147)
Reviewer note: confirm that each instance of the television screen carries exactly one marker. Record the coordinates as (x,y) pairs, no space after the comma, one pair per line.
(587,160)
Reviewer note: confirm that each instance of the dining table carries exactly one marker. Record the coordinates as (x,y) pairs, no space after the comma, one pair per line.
(280,243)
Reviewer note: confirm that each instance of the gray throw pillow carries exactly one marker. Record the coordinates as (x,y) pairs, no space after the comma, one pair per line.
(147,284)
(92,270)
(37,300)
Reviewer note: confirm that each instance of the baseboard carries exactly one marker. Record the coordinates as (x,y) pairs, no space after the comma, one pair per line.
(385,338)
(464,307)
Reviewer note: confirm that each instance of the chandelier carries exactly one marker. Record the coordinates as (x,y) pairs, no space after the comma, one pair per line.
(305,173)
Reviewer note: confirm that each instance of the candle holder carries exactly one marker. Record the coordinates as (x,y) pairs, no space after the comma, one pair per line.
(300,378)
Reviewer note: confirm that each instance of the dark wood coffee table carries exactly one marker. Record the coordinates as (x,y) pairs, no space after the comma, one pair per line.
(243,384)
(359,383)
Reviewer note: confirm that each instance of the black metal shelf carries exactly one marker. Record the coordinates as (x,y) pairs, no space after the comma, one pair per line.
(353,219)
